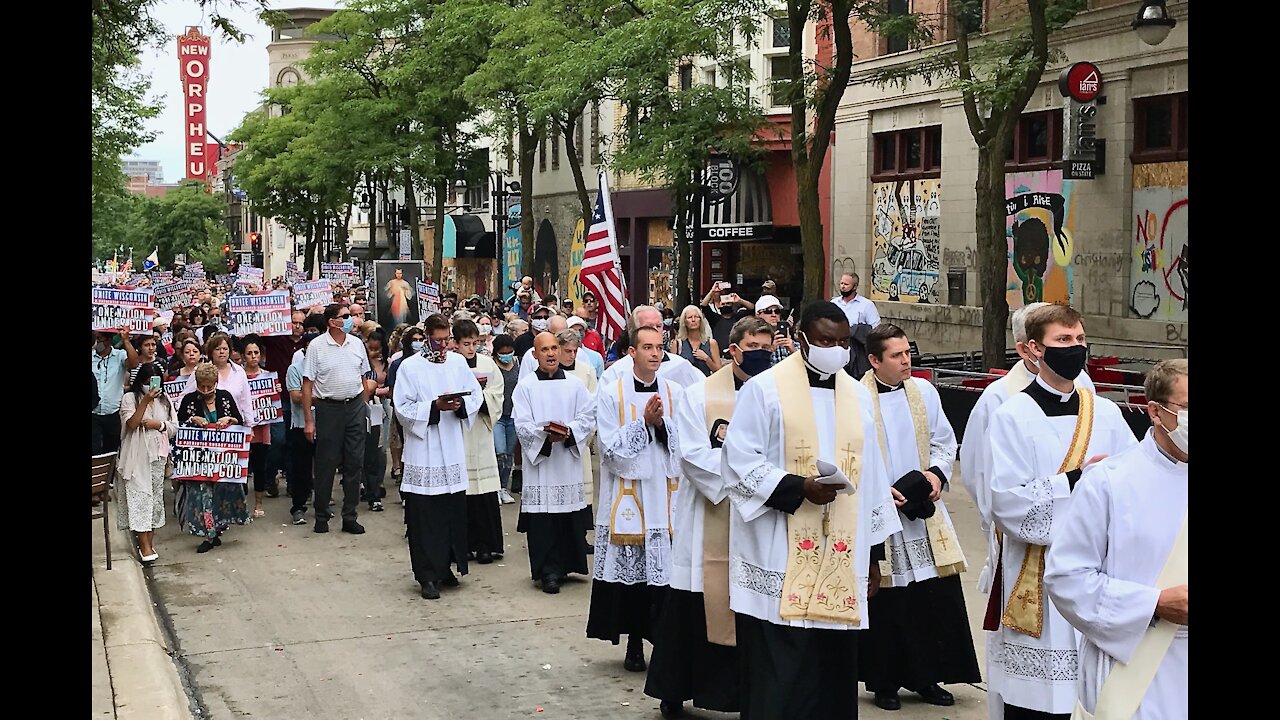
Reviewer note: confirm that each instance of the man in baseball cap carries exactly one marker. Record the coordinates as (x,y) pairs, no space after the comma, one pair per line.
(769,309)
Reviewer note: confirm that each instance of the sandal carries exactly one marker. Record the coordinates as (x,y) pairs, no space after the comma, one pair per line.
(259,512)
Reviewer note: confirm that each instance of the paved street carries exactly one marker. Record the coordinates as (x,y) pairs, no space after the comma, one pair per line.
(282,623)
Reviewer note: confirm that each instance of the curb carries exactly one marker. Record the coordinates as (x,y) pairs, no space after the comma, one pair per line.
(144,678)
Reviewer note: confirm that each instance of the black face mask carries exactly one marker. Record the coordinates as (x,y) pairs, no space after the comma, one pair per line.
(755,362)
(847,293)
(1067,361)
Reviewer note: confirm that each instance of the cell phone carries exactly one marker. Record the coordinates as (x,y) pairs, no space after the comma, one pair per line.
(785,328)
(154,382)
(726,299)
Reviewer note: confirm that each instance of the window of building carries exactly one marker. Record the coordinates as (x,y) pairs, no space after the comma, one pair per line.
(595,133)
(971,16)
(1037,143)
(907,154)
(780,80)
(686,77)
(542,153)
(1160,128)
(897,43)
(781,31)
(711,77)
(555,145)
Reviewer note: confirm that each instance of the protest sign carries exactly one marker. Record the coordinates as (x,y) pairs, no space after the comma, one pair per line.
(428,299)
(193,270)
(212,455)
(265,390)
(113,307)
(136,279)
(264,315)
(343,274)
(250,276)
(172,295)
(311,293)
(174,389)
(161,277)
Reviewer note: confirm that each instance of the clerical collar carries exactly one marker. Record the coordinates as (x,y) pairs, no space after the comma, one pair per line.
(1062,397)
(471,361)
(641,387)
(568,368)
(883,388)
(817,380)
(557,375)
(1051,402)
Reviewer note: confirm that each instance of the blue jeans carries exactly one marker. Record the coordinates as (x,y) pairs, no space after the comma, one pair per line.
(504,444)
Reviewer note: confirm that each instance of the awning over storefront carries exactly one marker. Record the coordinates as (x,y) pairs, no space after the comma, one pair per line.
(734,205)
(465,237)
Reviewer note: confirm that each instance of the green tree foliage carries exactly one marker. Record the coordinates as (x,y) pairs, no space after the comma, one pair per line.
(187,220)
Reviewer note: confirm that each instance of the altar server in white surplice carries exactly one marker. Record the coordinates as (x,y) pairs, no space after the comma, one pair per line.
(1039,443)
(1117,569)
(801,555)
(434,484)
(553,492)
(695,656)
(484,519)
(919,629)
(639,470)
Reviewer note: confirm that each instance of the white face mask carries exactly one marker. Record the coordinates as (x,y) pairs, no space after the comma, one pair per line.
(485,329)
(539,324)
(826,361)
(1178,435)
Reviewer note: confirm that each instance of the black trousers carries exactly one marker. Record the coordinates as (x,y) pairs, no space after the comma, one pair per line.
(301,457)
(1013,712)
(375,464)
(258,466)
(106,433)
(340,436)
(790,672)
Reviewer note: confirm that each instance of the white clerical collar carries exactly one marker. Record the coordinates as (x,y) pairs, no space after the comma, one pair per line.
(1062,397)
(642,384)
(821,375)
(886,386)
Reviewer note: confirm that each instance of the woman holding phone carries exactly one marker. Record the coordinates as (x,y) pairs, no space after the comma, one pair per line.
(209,508)
(148,423)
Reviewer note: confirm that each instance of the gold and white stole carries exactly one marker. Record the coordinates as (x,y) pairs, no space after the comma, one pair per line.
(947,555)
(721,398)
(626,518)
(1024,612)
(820,583)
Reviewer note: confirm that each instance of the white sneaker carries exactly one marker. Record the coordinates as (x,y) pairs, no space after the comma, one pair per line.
(504,497)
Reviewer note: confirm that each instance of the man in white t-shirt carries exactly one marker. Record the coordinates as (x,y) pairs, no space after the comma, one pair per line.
(857,308)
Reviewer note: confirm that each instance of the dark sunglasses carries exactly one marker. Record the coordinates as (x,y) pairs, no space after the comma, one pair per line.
(772,311)
(343,317)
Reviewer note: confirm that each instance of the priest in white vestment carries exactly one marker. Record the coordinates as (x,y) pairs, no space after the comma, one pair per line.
(977,476)
(919,634)
(553,492)
(484,518)
(436,399)
(695,656)
(1112,573)
(639,469)
(1039,443)
(800,555)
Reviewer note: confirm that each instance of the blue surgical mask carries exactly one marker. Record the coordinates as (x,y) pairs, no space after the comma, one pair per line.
(416,345)
(506,358)
(347,324)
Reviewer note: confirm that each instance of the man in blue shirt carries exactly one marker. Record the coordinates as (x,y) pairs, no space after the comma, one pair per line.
(111,368)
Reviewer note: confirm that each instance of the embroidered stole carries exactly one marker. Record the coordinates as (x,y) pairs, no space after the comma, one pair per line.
(948,558)
(1024,611)
(721,398)
(820,583)
(626,518)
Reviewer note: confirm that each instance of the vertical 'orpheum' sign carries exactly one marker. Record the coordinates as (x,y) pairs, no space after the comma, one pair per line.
(193,59)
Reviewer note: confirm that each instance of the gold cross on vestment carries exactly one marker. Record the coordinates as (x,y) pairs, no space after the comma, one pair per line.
(942,540)
(1025,597)
(803,456)
(850,455)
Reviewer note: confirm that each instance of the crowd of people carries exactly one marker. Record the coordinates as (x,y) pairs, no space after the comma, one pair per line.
(767,483)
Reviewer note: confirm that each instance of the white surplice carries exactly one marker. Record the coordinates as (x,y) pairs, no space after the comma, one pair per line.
(911,556)
(435,456)
(1025,450)
(700,478)
(973,453)
(673,368)
(552,484)
(1102,568)
(753,464)
(587,374)
(482,458)
(631,450)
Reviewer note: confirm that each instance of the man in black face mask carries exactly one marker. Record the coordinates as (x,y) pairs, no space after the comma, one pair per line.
(859,309)
(694,657)
(1041,440)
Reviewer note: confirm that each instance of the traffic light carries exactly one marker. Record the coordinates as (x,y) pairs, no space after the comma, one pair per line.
(226,255)
(255,242)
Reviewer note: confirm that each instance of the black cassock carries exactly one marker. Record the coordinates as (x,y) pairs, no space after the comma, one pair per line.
(684,664)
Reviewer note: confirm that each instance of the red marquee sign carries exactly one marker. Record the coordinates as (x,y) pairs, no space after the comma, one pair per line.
(193,61)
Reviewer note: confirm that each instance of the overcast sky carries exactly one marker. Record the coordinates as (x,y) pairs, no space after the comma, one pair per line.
(237,74)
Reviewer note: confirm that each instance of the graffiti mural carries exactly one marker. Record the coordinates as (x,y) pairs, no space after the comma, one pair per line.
(907,241)
(1039,228)
(1159,269)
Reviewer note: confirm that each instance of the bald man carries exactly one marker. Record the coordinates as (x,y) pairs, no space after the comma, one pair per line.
(555,324)
(554,414)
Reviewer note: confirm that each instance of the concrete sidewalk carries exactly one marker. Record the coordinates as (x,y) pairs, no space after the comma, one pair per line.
(134,677)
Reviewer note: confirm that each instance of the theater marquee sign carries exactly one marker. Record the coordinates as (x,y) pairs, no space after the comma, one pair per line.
(193,61)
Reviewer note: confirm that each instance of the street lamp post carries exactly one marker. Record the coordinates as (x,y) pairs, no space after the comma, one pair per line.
(1153,22)
(500,202)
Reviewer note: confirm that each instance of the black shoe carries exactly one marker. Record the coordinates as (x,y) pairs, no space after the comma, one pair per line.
(550,585)
(450,581)
(671,708)
(591,549)
(634,662)
(273,491)
(430,591)
(935,695)
(322,525)
(216,541)
(353,527)
(375,506)
(484,558)
(888,700)
(298,518)
(204,547)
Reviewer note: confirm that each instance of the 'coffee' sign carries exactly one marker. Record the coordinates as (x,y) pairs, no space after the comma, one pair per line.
(1080,86)
(193,60)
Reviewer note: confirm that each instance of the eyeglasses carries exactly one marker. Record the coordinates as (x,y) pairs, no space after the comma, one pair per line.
(771,311)
(343,317)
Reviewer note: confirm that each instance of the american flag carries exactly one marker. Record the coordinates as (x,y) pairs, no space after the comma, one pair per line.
(601,271)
